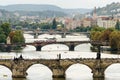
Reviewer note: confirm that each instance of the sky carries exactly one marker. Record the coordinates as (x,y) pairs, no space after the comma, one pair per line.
(63,3)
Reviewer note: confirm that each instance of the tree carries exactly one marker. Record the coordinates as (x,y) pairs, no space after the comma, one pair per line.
(115,40)
(96,36)
(45,26)
(54,24)
(18,27)
(2,38)
(6,28)
(117,26)
(11,35)
(106,34)
(96,28)
(17,37)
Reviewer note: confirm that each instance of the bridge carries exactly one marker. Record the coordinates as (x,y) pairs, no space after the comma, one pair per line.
(18,67)
(70,44)
(63,34)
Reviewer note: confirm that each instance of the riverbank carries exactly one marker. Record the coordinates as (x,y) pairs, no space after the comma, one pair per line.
(10,48)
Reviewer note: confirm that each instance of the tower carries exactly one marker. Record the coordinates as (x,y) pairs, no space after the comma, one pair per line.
(94,14)
(94,22)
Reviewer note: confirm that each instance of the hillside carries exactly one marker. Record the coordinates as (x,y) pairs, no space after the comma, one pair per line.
(34,7)
(30,7)
(111,9)
(5,14)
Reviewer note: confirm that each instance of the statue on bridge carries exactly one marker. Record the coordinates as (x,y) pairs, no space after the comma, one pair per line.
(98,53)
(19,58)
(59,56)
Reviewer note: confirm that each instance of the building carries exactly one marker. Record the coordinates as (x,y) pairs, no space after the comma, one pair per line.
(106,22)
(8,40)
(86,22)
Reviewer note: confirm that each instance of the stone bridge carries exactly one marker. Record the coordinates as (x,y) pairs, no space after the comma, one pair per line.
(58,66)
(63,34)
(70,44)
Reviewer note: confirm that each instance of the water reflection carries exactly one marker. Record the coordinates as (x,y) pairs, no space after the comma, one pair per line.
(98,79)
(19,79)
(59,79)
(62,79)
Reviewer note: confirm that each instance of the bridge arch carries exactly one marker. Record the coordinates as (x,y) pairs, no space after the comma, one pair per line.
(112,69)
(79,68)
(80,64)
(8,67)
(55,47)
(28,36)
(39,69)
(5,71)
(28,66)
(80,47)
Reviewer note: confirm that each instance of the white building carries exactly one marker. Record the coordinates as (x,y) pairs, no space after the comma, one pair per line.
(106,22)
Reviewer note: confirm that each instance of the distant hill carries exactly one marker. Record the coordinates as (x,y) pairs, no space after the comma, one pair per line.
(80,10)
(30,7)
(34,7)
(111,9)
(4,13)
(42,14)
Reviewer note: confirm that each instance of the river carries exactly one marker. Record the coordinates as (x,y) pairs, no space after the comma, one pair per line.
(74,72)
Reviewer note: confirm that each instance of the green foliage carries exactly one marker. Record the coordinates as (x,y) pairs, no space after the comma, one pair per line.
(81,29)
(4,32)
(6,28)
(117,26)
(2,38)
(18,27)
(45,26)
(101,33)
(106,35)
(96,28)
(96,35)
(109,9)
(18,37)
(115,40)
(54,24)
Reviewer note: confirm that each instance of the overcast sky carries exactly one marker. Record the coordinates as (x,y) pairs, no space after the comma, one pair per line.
(63,3)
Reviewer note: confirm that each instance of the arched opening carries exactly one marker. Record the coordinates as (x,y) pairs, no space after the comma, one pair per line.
(113,72)
(78,71)
(83,47)
(28,36)
(5,73)
(39,71)
(55,47)
(29,48)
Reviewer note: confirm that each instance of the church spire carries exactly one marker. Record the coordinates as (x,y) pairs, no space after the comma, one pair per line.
(94,14)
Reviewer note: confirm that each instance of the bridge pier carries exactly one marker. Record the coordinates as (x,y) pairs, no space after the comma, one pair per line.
(71,47)
(35,35)
(19,72)
(63,35)
(38,48)
(58,73)
(98,71)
